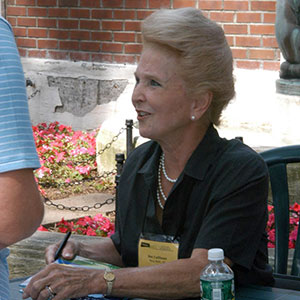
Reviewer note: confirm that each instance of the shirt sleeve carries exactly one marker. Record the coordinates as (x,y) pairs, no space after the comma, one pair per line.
(17,146)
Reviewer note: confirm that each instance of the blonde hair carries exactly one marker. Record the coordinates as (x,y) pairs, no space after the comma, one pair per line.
(206,59)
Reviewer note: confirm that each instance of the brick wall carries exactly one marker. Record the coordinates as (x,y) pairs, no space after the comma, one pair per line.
(108,30)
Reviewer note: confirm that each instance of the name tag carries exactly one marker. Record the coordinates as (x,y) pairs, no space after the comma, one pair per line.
(151,253)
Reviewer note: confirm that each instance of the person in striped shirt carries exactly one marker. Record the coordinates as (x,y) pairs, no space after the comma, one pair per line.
(21,206)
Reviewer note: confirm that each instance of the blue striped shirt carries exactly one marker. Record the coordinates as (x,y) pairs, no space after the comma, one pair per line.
(17,147)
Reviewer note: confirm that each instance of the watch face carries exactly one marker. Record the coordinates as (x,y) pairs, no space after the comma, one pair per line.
(110,276)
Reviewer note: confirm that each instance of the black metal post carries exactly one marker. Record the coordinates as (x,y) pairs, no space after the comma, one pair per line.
(129,142)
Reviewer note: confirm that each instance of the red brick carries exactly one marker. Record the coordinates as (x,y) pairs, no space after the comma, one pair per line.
(22,52)
(112,3)
(37,53)
(16,11)
(124,14)
(12,21)
(247,41)
(49,23)
(58,55)
(139,37)
(89,24)
(112,25)
(125,59)
(133,48)
(20,31)
(27,43)
(132,26)
(271,65)
(159,4)
(230,40)
(222,16)
(58,12)
(90,3)
(26,22)
(47,44)
(102,14)
(269,18)
(37,32)
(248,64)
(184,3)
(239,53)
(68,45)
(68,3)
(102,58)
(101,36)
(90,46)
(124,37)
(80,56)
(270,42)
(210,4)
(58,34)
(249,17)
(79,13)
(46,3)
(80,35)
(236,5)
(111,47)
(25,2)
(262,29)
(263,5)
(261,54)
(68,24)
(136,3)
(236,29)
(142,14)
(37,11)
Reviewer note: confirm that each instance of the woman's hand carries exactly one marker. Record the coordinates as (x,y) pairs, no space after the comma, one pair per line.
(60,282)
(69,252)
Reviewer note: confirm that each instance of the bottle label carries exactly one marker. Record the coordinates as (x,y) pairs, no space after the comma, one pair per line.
(217,290)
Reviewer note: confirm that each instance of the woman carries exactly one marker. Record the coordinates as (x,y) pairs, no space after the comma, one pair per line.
(185,191)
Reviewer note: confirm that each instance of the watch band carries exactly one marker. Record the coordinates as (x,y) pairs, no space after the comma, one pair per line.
(109,278)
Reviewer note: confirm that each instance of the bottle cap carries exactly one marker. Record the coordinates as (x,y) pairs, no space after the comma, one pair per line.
(215,254)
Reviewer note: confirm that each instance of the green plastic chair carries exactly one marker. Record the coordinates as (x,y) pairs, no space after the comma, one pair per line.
(277,160)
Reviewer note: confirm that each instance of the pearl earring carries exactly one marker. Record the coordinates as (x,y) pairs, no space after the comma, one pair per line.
(193,118)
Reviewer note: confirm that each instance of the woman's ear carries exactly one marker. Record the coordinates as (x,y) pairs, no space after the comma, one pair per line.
(201,104)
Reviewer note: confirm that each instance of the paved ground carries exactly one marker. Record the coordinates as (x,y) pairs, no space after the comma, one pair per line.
(53,214)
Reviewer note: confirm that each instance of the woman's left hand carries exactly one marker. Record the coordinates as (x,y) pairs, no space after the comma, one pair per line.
(58,282)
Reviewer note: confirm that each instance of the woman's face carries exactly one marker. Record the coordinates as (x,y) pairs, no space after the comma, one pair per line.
(159,97)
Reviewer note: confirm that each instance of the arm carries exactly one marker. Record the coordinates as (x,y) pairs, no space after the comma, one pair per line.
(21,206)
(178,279)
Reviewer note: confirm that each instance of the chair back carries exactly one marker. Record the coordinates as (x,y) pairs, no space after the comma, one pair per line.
(277,160)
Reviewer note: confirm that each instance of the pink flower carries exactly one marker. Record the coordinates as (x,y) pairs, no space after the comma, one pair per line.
(42,228)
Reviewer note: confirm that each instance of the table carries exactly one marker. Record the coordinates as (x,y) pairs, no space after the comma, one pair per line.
(245,293)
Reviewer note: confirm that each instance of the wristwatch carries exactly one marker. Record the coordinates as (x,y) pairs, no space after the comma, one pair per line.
(109,277)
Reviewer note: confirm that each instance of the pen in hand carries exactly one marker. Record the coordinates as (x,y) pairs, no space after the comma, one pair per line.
(62,245)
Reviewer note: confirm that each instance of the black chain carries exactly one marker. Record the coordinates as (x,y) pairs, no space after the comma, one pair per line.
(79,208)
(33,94)
(103,175)
(108,145)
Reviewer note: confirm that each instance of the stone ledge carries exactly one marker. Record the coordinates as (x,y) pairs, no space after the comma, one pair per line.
(27,256)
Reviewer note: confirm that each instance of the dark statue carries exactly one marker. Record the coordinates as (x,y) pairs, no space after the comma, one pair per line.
(288,37)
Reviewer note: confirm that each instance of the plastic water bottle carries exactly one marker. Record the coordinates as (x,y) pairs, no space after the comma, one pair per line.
(217,279)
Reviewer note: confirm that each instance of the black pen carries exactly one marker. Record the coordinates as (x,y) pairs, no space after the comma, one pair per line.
(62,245)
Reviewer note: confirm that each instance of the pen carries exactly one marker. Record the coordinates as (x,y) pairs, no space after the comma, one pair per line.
(62,245)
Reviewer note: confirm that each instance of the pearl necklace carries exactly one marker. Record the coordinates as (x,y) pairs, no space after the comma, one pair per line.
(159,190)
(162,162)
